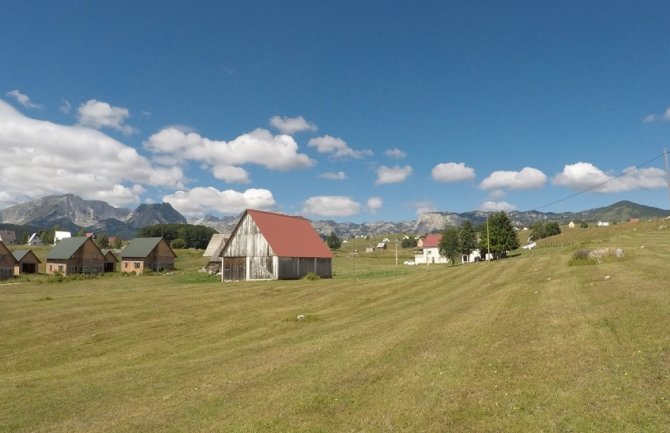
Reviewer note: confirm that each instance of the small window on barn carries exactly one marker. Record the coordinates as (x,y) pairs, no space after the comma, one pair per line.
(60,268)
(137,265)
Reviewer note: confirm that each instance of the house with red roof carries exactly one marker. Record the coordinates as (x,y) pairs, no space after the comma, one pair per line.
(430,252)
(273,246)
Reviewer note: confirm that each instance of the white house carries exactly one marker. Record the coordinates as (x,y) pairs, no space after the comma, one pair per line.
(571,224)
(34,240)
(431,251)
(474,256)
(603,224)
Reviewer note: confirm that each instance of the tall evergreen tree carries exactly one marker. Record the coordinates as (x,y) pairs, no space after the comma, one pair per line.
(467,238)
(503,237)
(449,245)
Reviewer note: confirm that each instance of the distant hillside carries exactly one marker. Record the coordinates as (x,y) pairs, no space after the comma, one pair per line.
(70,212)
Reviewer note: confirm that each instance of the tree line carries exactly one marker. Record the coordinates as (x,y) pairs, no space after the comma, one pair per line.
(497,237)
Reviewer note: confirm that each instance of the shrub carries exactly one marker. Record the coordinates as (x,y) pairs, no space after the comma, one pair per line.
(582,257)
(312,277)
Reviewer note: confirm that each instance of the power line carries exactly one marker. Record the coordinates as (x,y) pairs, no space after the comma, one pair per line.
(591,188)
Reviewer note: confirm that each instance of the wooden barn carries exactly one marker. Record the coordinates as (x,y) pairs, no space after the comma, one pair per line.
(28,263)
(75,255)
(7,262)
(272,246)
(147,254)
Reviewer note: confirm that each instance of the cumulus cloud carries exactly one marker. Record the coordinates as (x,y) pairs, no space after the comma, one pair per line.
(340,175)
(22,99)
(276,152)
(496,206)
(337,148)
(231,174)
(395,153)
(527,178)
(331,206)
(663,117)
(42,158)
(292,125)
(98,115)
(395,174)
(584,175)
(200,201)
(375,203)
(452,172)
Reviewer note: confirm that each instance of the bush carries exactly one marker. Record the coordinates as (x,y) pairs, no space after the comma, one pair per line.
(582,257)
(312,277)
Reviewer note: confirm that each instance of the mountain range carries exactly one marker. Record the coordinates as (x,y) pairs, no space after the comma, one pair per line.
(70,212)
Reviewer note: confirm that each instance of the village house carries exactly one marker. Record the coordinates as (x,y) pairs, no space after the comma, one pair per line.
(8,237)
(27,262)
(75,255)
(110,260)
(147,254)
(34,240)
(7,262)
(272,246)
(430,252)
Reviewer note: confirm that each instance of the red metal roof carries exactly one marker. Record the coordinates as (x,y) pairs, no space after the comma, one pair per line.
(290,236)
(432,241)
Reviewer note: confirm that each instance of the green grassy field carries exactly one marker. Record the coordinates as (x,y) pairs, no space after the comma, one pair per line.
(526,344)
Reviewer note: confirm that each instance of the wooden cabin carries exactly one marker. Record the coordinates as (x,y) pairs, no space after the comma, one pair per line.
(28,263)
(75,255)
(7,262)
(272,246)
(147,254)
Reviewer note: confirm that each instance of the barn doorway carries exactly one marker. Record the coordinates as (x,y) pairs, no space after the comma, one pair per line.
(28,268)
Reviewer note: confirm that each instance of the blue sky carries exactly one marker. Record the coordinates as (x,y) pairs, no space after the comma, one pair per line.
(345,110)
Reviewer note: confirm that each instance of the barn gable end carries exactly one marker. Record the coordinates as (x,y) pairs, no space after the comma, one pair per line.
(266,245)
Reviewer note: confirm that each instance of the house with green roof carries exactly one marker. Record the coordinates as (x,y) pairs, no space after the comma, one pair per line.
(7,262)
(27,262)
(147,254)
(110,260)
(75,255)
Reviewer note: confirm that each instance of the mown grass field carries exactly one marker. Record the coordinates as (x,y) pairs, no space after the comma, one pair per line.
(527,344)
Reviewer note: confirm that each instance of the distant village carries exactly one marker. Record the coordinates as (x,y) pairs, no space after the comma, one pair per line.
(262,246)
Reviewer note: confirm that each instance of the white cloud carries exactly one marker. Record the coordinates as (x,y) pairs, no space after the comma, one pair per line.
(98,115)
(493,206)
(395,153)
(231,174)
(331,206)
(584,175)
(291,125)
(375,203)
(119,195)
(42,158)
(664,117)
(23,99)
(65,107)
(200,201)
(497,193)
(452,172)
(395,174)
(276,152)
(340,175)
(423,207)
(337,147)
(527,178)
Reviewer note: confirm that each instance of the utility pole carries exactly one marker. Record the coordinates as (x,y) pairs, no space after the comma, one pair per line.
(353,250)
(396,252)
(667,169)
